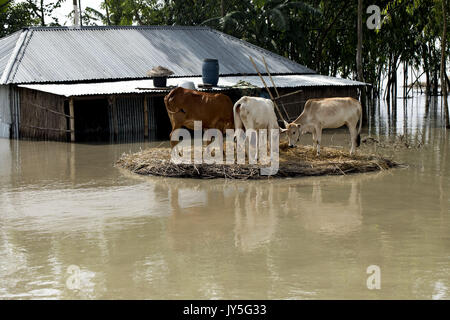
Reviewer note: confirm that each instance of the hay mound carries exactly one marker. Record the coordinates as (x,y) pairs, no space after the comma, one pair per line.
(294,162)
(159,71)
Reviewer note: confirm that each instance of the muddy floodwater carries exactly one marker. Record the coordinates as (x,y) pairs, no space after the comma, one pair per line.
(72,226)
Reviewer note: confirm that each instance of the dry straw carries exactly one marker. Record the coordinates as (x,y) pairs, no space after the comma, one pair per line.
(294,162)
(159,71)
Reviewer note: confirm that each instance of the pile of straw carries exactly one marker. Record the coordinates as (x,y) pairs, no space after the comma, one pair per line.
(294,162)
(159,71)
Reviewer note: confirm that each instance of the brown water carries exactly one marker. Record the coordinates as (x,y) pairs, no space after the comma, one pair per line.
(154,238)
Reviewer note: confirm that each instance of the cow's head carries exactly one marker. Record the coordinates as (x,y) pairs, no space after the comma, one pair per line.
(293,133)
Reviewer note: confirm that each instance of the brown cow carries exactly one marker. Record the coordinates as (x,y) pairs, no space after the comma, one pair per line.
(184,106)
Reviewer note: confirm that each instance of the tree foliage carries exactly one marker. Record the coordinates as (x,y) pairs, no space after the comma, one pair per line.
(321,34)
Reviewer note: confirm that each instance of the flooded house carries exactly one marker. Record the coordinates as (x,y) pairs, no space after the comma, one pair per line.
(87,84)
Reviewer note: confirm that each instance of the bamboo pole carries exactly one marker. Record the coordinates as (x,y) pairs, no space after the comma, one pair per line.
(72,120)
(267,88)
(274,86)
(145,118)
(288,94)
(112,102)
(45,129)
(48,110)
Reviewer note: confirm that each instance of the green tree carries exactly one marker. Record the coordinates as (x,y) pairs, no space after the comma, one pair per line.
(42,9)
(15,16)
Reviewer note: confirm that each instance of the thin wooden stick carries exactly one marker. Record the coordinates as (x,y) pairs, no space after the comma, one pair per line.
(275,87)
(270,77)
(276,90)
(288,94)
(267,88)
(72,120)
(49,110)
(40,128)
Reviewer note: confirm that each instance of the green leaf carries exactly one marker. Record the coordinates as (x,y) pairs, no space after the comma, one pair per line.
(278,19)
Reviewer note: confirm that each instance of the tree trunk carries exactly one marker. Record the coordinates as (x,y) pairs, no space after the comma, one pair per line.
(448,81)
(387,93)
(435,81)
(80,13)
(76,14)
(222,8)
(359,67)
(426,69)
(108,18)
(42,13)
(443,58)
(405,80)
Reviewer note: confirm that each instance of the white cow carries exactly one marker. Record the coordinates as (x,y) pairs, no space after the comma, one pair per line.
(254,113)
(319,114)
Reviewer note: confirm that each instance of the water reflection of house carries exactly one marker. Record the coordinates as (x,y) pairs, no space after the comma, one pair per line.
(95,76)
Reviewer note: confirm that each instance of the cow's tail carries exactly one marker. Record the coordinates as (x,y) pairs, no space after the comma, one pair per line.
(358,138)
(238,124)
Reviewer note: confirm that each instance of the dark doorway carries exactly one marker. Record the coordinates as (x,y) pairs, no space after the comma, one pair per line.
(159,122)
(91,120)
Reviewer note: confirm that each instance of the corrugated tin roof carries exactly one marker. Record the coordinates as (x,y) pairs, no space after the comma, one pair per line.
(7,45)
(146,86)
(67,54)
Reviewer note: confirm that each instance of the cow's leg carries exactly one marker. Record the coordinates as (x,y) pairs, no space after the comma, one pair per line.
(353,137)
(173,143)
(314,137)
(318,130)
(254,146)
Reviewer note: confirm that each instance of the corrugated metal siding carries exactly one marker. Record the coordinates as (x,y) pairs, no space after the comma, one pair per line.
(137,86)
(5,112)
(130,119)
(15,112)
(93,53)
(152,121)
(9,112)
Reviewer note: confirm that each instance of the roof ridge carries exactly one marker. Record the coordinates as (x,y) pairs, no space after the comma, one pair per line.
(4,79)
(75,28)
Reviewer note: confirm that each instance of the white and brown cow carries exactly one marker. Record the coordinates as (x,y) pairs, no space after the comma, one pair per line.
(330,113)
